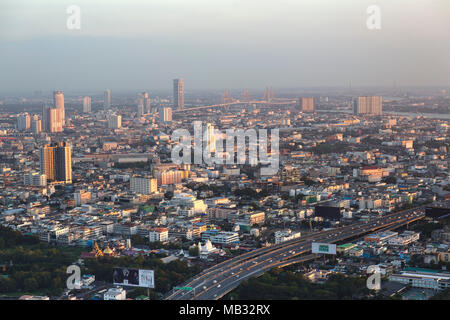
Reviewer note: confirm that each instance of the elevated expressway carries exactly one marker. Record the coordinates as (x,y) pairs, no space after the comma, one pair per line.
(216,281)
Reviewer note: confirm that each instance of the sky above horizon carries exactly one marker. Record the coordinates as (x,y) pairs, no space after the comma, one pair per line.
(136,45)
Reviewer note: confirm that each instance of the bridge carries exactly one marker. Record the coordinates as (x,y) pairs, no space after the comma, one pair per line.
(217,281)
(236,103)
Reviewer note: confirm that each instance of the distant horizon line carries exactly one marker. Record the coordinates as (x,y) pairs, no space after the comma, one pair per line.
(240,89)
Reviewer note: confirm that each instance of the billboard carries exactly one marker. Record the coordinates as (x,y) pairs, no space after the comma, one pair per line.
(323,248)
(134,277)
(327,212)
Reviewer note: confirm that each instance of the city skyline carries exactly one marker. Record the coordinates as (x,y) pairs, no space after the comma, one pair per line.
(245,151)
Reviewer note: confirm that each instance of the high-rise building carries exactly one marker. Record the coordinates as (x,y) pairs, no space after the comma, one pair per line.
(107,99)
(23,122)
(51,119)
(143,185)
(87,105)
(114,121)
(36,124)
(308,105)
(372,105)
(145,101)
(165,115)
(178,94)
(56,162)
(58,103)
(210,138)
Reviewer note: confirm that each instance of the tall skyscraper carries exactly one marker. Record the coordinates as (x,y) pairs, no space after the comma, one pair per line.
(87,105)
(23,121)
(56,162)
(107,99)
(145,101)
(372,105)
(307,104)
(178,94)
(58,103)
(210,138)
(165,115)
(51,119)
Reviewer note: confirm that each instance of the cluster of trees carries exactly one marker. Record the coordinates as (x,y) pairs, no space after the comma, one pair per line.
(279,284)
(442,295)
(249,193)
(216,190)
(327,147)
(426,228)
(30,266)
(10,238)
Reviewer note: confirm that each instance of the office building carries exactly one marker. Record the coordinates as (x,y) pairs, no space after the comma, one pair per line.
(308,105)
(56,162)
(178,94)
(23,122)
(423,278)
(143,185)
(35,179)
(371,105)
(107,99)
(87,105)
(221,237)
(145,101)
(114,121)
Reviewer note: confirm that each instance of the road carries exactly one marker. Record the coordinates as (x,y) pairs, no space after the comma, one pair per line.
(215,282)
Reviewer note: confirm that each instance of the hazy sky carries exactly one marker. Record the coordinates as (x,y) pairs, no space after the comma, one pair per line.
(137,44)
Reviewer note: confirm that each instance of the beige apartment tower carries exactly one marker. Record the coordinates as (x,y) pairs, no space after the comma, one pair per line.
(51,119)
(58,103)
(307,104)
(371,105)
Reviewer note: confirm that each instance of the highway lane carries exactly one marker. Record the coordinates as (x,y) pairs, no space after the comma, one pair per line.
(211,283)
